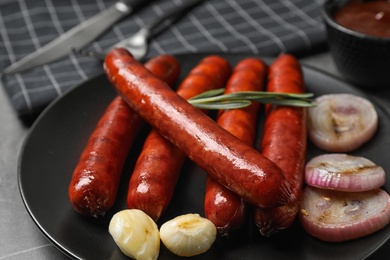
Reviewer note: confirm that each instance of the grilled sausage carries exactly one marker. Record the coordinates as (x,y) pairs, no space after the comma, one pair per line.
(95,180)
(284,142)
(157,169)
(227,159)
(222,206)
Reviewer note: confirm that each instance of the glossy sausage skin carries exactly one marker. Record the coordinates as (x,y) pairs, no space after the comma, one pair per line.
(222,206)
(230,161)
(95,180)
(284,142)
(157,169)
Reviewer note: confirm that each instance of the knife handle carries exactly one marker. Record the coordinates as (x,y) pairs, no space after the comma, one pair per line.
(135,4)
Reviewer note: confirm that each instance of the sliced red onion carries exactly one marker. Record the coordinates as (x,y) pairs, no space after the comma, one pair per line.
(337,216)
(341,122)
(344,172)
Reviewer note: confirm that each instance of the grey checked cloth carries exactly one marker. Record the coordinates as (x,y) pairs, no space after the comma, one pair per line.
(260,27)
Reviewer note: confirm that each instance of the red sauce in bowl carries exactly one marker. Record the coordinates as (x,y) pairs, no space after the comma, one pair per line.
(371,17)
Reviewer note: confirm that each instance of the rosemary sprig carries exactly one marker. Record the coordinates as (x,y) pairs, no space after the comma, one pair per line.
(215,99)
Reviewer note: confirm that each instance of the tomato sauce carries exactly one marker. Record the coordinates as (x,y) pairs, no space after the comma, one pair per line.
(368,17)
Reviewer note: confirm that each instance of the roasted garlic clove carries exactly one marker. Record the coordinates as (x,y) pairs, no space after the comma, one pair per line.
(188,235)
(136,234)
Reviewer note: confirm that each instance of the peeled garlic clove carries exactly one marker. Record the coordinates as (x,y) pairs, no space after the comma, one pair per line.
(188,235)
(136,234)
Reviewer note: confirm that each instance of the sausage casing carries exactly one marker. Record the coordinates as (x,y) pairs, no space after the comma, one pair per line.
(227,159)
(95,180)
(222,206)
(284,142)
(157,169)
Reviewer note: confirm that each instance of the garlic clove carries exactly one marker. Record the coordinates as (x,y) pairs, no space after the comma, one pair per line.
(188,235)
(136,234)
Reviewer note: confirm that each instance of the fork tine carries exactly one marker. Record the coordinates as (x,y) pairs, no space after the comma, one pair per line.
(88,53)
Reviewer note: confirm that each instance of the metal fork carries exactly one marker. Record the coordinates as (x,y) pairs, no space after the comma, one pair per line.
(137,44)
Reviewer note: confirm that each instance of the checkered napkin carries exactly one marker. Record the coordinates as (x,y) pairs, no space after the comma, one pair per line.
(263,27)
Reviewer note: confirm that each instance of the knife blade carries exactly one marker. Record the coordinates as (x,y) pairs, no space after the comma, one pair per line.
(79,36)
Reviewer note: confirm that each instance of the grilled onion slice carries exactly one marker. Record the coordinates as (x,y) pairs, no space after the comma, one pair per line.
(341,122)
(344,172)
(337,216)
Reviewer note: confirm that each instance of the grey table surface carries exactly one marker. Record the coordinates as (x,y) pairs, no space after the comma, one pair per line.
(20,238)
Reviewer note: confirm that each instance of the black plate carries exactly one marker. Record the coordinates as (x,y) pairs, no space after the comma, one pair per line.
(57,138)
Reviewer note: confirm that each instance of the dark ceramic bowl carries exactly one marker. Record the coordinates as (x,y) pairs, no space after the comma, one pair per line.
(362,59)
